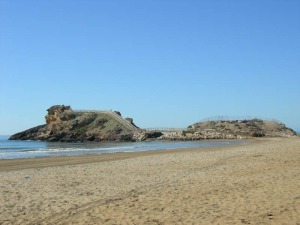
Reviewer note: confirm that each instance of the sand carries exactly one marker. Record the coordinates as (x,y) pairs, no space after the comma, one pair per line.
(257,183)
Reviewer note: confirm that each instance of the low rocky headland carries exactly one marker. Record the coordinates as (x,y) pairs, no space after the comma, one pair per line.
(231,129)
(67,125)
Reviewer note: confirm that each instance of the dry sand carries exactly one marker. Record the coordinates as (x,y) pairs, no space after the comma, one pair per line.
(257,183)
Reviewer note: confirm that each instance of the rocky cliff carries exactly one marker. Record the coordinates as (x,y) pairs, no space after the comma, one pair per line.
(64,124)
(231,129)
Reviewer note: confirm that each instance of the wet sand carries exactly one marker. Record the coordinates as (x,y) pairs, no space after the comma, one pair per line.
(257,183)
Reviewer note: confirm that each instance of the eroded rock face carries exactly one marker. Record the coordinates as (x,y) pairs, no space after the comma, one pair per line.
(64,124)
(58,116)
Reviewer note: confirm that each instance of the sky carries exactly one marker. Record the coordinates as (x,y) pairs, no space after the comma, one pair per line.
(165,63)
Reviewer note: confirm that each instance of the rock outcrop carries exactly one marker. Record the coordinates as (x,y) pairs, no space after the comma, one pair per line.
(231,129)
(64,124)
(146,135)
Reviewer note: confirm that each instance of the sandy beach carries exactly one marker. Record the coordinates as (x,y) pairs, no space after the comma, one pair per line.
(256,183)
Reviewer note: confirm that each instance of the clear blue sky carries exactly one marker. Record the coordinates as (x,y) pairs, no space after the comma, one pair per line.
(166,63)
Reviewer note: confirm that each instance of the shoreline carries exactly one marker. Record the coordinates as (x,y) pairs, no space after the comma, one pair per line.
(255,183)
(50,161)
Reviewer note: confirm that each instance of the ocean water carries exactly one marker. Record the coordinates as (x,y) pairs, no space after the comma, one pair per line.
(32,149)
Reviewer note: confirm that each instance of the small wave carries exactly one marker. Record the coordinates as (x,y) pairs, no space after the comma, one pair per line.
(14,148)
(74,149)
(32,150)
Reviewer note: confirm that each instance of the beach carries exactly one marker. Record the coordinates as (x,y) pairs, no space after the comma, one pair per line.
(254,183)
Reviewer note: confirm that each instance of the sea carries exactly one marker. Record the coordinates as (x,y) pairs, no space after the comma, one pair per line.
(33,149)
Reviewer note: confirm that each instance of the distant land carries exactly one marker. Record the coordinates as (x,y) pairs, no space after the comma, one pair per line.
(67,125)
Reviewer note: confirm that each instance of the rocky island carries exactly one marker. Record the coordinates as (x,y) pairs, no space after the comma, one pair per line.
(67,125)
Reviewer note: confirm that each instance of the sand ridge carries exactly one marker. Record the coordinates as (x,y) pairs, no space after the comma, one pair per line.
(256,183)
